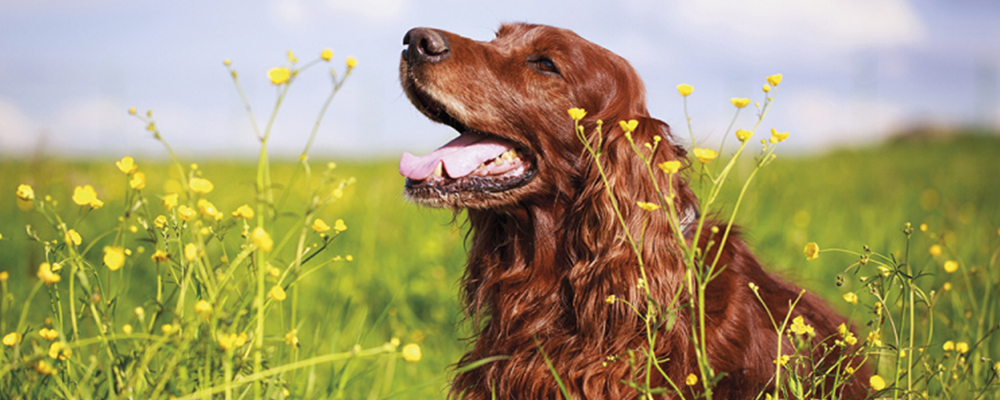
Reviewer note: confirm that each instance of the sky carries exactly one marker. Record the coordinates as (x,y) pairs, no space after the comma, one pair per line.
(855,71)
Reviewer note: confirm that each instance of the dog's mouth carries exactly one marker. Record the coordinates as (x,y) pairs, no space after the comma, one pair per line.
(473,165)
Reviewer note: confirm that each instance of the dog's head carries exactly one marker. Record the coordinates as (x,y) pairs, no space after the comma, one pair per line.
(508,98)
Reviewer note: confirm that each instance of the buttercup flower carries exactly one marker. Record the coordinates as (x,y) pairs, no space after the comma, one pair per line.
(778,136)
(86,196)
(207,209)
(190,252)
(201,185)
(950,266)
(25,193)
(59,350)
(244,212)
(705,155)
(962,347)
(576,113)
(160,221)
(948,346)
(610,299)
(127,329)
(684,89)
(799,327)
(877,382)
(4,275)
(691,380)
(811,251)
(670,167)
(203,308)
(127,165)
(12,339)
(767,88)
(186,213)
(628,126)
(339,225)
(291,57)
(260,238)
(292,338)
(781,361)
(875,338)
(647,206)
(169,201)
(279,75)
(326,54)
(160,256)
(935,250)
(73,238)
(739,102)
(114,257)
(743,134)
(774,80)
(48,334)
(46,275)
(852,298)
(44,368)
(319,226)
(352,62)
(411,352)
(277,293)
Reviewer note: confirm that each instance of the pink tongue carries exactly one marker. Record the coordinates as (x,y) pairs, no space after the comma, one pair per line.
(460,157)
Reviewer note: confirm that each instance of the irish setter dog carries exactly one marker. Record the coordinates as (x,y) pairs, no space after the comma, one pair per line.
(546,247)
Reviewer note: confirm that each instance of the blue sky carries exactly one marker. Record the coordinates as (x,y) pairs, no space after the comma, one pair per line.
(855,70)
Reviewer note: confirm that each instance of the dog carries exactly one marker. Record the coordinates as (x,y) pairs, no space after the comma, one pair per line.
(546,246)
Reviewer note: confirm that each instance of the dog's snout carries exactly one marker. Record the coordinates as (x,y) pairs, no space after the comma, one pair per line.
(425,45)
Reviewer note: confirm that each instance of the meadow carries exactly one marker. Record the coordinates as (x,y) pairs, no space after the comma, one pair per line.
(407,260)
(314,278)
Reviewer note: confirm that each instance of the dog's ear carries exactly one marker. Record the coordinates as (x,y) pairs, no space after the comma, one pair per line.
(607,220)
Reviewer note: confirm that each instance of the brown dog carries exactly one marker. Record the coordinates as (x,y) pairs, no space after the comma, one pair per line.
(546,246)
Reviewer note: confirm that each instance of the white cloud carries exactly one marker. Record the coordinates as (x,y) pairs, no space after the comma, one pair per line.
(832,25)
(18,134)
(372,10)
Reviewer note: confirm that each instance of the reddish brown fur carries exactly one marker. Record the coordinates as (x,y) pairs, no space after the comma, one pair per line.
(544,256)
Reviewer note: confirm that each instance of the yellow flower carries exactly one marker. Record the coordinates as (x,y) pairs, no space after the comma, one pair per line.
(691,380)
(774,80)
(799,327)
(647,206)
(201,185)
(962,347)
(739,102)
(4,275)
(778,136)
(46,275)
(576,113)
(877,382)
(85,196)
(411,352)
(849,370)
(114,257)
(59,350)
(244,212)
(352,62)
(48,334)
(811,251)
(946,287)
(44,368)
(950,266)
(169,201)
(670,167)
(203,308)
(743,134)
(241,340)
(160,221)
(73,238)
(25,193)
(875,338)
(127,329)
(227,341)
(767,88)
(207,209)
(127,165)
(138,181)
(186,213)
(319,226)
(279,75)
(610,299)
(628,126)
(339,225)
(948,346)
(705,155)
(924,227)
(852,298)
(277,293)
(160,256)
(326,54)
(684,89)
(260,238)
(190,252)
(291,338)
(291,57)
(781,361)
(12,339)
(935,250)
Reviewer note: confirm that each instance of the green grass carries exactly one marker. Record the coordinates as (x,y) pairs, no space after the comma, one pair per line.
(403,280)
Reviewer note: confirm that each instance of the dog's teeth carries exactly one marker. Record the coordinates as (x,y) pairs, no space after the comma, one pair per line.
(439,170)
(509,155)
(498,161)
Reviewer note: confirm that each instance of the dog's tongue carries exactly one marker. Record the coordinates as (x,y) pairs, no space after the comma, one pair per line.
(460,156)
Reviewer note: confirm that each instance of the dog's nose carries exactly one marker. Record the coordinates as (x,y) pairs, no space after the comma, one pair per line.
(425,45)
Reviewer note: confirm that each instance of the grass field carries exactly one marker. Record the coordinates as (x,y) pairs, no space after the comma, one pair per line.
(406,262)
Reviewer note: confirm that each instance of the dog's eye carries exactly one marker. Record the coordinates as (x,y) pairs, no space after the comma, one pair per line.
(544,64)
